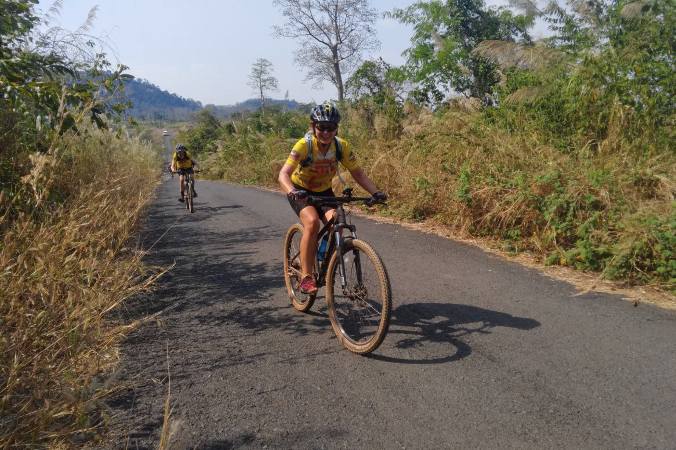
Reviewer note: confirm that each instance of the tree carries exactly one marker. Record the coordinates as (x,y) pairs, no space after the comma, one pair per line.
(445,33)
(201,138)
(332,36)
(51,79)
(261,78)
(374,80)
(374,88)
(602,57)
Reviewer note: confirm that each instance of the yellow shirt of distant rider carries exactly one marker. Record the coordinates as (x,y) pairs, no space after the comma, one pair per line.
(185,163)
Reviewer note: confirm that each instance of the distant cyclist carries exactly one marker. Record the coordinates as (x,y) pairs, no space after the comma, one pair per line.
(309,169)
(183,163)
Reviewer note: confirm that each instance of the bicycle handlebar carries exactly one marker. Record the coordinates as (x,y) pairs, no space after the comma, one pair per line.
(333,201)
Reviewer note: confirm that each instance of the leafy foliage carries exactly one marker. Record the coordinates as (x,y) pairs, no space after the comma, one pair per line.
(47,92)
(616,82)
(376,88)
(200,138)
(440,61)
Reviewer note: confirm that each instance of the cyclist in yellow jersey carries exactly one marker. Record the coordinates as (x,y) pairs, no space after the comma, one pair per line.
(183,163)
(306,174)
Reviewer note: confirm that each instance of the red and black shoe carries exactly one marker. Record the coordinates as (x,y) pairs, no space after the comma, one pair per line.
(308,285)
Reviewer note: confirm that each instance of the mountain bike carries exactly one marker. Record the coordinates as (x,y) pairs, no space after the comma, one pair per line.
(188,187)
(358,290)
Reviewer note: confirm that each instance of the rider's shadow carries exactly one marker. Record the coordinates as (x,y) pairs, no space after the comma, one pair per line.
(417,327)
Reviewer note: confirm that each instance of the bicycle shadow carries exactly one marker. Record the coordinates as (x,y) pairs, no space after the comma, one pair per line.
(415,326)
(178,212)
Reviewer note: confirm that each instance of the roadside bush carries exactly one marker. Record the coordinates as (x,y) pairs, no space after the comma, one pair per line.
(65,263)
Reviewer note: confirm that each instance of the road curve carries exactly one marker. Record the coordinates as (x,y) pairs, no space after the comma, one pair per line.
(481,353)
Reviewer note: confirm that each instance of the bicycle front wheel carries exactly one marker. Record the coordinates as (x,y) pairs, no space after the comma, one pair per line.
(292,269)
(360,311)
(189,203)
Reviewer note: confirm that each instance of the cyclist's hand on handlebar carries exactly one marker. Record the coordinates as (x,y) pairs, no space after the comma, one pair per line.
(379,196)
(376,197)
(297,194)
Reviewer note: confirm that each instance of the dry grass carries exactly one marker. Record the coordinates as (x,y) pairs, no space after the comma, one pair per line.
(610,211)
(64,267)
(604,206)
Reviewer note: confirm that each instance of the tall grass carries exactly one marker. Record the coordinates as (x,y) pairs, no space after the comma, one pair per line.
(66,261)
(607,208)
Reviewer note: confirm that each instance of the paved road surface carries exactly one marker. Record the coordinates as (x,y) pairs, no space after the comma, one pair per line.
(482,353)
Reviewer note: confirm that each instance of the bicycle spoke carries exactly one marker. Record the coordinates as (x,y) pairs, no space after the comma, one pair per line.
(359,308)
(293,274)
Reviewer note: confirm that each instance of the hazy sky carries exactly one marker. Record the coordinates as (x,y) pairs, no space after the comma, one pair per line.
(204,49)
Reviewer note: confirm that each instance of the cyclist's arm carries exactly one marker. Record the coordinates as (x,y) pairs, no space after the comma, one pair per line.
(363,180)
(298,153)
(284,178)
(349,161)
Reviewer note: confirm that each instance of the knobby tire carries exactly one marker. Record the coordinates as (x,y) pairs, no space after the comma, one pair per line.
(292,270)
(360,315)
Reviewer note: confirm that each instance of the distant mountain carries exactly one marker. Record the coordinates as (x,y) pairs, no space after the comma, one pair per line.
(253,104)
(151,102)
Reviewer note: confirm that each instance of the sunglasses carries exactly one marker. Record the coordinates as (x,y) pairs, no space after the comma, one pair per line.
(327,127)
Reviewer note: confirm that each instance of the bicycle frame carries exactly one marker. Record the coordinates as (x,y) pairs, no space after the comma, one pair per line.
(360,314)
(337,241)
(188,179)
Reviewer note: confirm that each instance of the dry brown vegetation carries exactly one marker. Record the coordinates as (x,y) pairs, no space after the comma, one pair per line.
(67,262)
(607,209)
(574,208)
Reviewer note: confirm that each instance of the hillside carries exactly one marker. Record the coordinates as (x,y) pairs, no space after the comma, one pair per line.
(151,102)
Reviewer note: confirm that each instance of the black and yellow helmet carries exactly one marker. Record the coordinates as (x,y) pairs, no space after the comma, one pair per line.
(326,112)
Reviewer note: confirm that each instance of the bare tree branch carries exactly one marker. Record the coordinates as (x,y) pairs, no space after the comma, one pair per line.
(261,79)
(332,36)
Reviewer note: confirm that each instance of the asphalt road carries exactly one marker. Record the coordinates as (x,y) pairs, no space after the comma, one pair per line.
(481,353)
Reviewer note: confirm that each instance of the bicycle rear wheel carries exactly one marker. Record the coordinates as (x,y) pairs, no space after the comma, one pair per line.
(360,312)
(292,269)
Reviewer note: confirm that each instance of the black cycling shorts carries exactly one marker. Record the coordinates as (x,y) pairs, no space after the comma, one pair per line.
(298,205)
(184,171)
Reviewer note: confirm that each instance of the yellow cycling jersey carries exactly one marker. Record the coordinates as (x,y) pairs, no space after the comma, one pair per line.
(317,175)
(185,163)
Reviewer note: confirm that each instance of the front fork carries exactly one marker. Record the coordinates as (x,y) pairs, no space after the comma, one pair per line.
(340,241)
